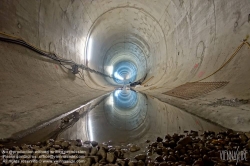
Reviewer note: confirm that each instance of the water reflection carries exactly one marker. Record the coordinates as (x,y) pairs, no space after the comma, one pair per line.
(124,116)
(127,116)
(125,109)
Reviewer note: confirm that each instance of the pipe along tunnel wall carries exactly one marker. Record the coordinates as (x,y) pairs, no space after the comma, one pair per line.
(172,41)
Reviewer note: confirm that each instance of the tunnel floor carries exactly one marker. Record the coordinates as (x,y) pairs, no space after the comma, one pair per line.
(112,119)
(126,127)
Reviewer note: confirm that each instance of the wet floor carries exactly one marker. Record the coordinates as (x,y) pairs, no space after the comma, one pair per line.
(123,116)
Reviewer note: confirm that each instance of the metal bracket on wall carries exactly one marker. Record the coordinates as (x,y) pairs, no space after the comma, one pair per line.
(74,69)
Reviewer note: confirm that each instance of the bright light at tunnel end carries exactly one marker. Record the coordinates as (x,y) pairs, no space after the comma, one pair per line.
(117,76)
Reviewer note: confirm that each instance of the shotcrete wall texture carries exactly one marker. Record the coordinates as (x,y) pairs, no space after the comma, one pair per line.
(175,41)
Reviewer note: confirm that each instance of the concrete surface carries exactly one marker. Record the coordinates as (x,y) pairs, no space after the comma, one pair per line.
(151,118)
(175,41)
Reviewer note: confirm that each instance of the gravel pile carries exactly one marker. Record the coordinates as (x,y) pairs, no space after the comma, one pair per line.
(186,149)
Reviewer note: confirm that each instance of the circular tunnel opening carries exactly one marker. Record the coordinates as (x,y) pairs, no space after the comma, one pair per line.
(125,72)
(126,44)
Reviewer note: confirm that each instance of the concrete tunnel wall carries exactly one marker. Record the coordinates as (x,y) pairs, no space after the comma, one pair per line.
(182,41)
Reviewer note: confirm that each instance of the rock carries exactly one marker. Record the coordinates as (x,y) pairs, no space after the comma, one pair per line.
(118,147)
(94,158)
(229,131)
(105,145)
(26,147)
(102,152)
(154,144)
(121,162)
(57,143)
(248,145)
(38,143)
(248,135)
(111,149)
(160,145)
(140,157)
(163,164)
(175,150)
(149,154)
(57,146)
(50,141)
(184,141)
(118,153)
(159,139)
(159,159)
(243,138)
(80,152)
(178,147)
(73,148)
(61,139)
(172,144)
(36,148)
(124,150)
(159,151)
(150,164)
(134,148)
(96,164)
(85,161)
(93,151)
(132,163)
(78,142)
(195,132)
(171,158)
(94,143)
(110,157)
(53,164)
(103,161)
(65,144)
(65,120)
(86,148)
(140,163)
(86,142)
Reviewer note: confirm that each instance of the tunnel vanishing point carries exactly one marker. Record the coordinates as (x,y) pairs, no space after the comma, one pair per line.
(57,55)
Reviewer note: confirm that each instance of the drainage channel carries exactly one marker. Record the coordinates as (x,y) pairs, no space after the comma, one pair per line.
(52,128)
(121,116)
(123,127)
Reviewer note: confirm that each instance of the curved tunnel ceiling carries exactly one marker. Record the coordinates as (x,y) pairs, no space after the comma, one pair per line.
(124,43)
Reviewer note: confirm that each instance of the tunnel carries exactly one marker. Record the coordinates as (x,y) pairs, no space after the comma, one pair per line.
(123,71)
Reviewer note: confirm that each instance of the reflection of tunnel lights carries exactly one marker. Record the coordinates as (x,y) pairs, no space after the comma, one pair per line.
(89,49)
(90,131)
(128,110)
(117,93)
(110,101)
(123,99)
(117,76)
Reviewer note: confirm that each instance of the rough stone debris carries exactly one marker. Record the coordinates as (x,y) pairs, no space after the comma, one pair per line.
(189,149)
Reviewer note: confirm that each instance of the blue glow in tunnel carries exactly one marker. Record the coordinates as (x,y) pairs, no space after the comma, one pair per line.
(125,109)
(124,72)
(125,99)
